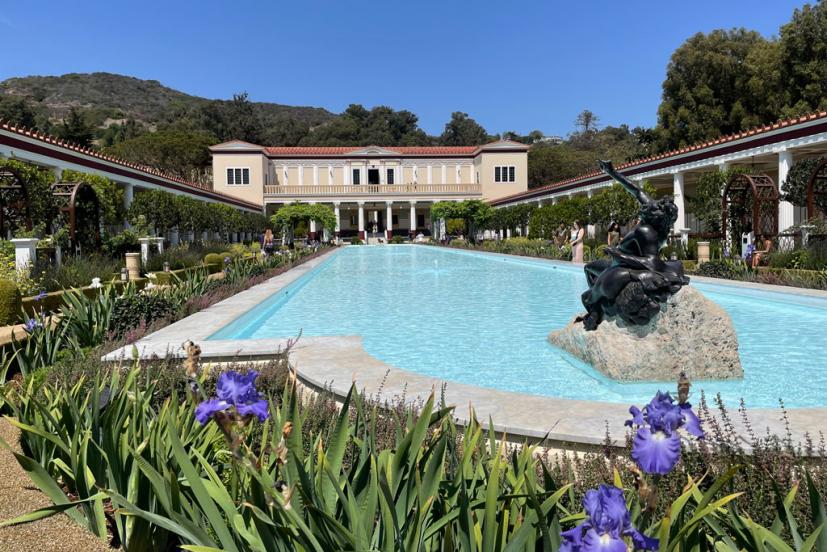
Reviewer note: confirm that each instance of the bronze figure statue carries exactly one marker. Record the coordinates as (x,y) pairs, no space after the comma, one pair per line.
(635,282)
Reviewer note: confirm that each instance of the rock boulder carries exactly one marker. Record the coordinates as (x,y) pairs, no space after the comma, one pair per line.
(691,334)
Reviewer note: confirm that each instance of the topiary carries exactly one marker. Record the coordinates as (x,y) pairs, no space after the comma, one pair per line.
(10,301)
(214,258)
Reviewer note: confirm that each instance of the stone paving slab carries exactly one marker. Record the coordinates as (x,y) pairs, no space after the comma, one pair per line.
(337,362)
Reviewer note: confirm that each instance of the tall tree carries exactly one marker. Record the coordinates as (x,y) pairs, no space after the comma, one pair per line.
(76,128)
(183,154)
(462,130)
(803,59)
(710,87)
(17,111)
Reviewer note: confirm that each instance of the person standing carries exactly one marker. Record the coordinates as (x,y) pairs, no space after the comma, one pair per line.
(614,235)
(578,234)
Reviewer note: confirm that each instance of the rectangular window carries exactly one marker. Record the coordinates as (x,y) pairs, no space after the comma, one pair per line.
(238,176)
(505,174)
(356,175)
(390,176)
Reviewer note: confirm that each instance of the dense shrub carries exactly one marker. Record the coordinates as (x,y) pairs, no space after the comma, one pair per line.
(139,309)
(718,268)
(216,258)
(79,270)
(397,239)
(180,256)
(9,303)
(124,242)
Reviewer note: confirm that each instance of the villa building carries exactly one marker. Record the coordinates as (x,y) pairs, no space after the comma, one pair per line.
(371,188)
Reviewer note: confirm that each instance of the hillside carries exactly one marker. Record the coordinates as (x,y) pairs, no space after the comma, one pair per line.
(103,96)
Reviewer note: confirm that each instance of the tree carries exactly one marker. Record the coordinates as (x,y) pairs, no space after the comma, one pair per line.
(794,188)
(184,154)
(549,163)
(615,204)
(803,59)
(76,128)
(39,200)
(358,126)
(462,130)
(713,87)
(157,207)
(288,217)
(244,122)
(17,111)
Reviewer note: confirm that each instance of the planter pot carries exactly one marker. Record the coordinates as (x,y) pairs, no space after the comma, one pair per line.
(25,253)
(133,265)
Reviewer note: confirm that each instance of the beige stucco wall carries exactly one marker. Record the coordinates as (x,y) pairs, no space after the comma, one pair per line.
(256,162)
(494,190)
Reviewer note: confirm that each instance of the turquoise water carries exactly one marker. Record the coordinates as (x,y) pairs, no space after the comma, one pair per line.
(483,320)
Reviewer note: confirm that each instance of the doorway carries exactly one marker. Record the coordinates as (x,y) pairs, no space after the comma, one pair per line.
(373,176)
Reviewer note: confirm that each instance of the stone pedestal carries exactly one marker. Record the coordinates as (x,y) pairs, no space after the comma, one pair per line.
(159,243)
(703,252)
(691,334)
(133,265)
(145,242)
(25,253)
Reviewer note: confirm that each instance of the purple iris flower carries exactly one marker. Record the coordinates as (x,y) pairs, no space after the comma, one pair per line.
(657,445)
(32,324)
(238,391)
(40,296)
(607,522)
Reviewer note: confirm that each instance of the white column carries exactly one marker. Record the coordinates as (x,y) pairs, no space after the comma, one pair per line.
(361,219)
(444,176)
(459,174)
(285,174)
(678,192)
(301,175)
(312,226)
(346,175)
(330,175)
(315,175)
(413,218)
(389,223)
(430,174)
(174,237)
(786,211)
(338,218)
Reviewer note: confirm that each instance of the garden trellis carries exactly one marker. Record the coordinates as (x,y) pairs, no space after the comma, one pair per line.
(751,201)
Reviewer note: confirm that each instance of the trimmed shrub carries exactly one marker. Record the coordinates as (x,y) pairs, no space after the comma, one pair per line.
(214,258)
(10,301)
(397,239)
(136,309)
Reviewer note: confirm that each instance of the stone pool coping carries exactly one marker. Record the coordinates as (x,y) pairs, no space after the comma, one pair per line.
(335,363)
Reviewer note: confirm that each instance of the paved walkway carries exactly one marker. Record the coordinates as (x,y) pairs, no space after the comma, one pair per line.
(18,496)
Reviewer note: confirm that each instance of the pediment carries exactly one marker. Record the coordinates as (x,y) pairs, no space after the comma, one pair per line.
(236,145)
(374,150)
(504,145)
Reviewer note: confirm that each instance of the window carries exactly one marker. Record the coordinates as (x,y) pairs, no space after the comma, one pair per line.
(390,176)
(505,174)
(238,176)
(395,220)
(420,220)
(356,175)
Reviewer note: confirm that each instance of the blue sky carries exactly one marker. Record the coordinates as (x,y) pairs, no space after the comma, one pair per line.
(512,65)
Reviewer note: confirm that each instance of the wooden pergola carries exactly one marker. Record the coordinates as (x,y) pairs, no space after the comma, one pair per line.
(71,197)
(14,197)
(751,200)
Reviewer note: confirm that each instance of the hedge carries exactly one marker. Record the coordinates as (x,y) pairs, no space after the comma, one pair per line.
(9,302)
(54,300)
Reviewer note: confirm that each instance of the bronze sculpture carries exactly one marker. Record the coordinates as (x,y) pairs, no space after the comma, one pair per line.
(635,282)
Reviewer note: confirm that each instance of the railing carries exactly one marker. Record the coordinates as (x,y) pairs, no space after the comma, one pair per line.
(373,189)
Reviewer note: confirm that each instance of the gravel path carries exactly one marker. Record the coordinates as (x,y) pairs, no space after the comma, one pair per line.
(18,495)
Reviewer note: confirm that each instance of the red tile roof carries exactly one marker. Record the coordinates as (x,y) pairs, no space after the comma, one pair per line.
(662,156)
(53,140)
(344,150)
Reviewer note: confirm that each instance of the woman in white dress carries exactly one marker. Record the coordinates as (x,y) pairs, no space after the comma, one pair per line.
(578,233)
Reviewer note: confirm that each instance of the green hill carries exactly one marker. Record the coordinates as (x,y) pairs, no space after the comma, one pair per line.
(107,98)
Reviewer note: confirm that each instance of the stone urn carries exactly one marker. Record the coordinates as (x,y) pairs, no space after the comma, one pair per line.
(691,334)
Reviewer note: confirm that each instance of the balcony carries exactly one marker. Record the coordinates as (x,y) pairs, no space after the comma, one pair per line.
(423,191)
